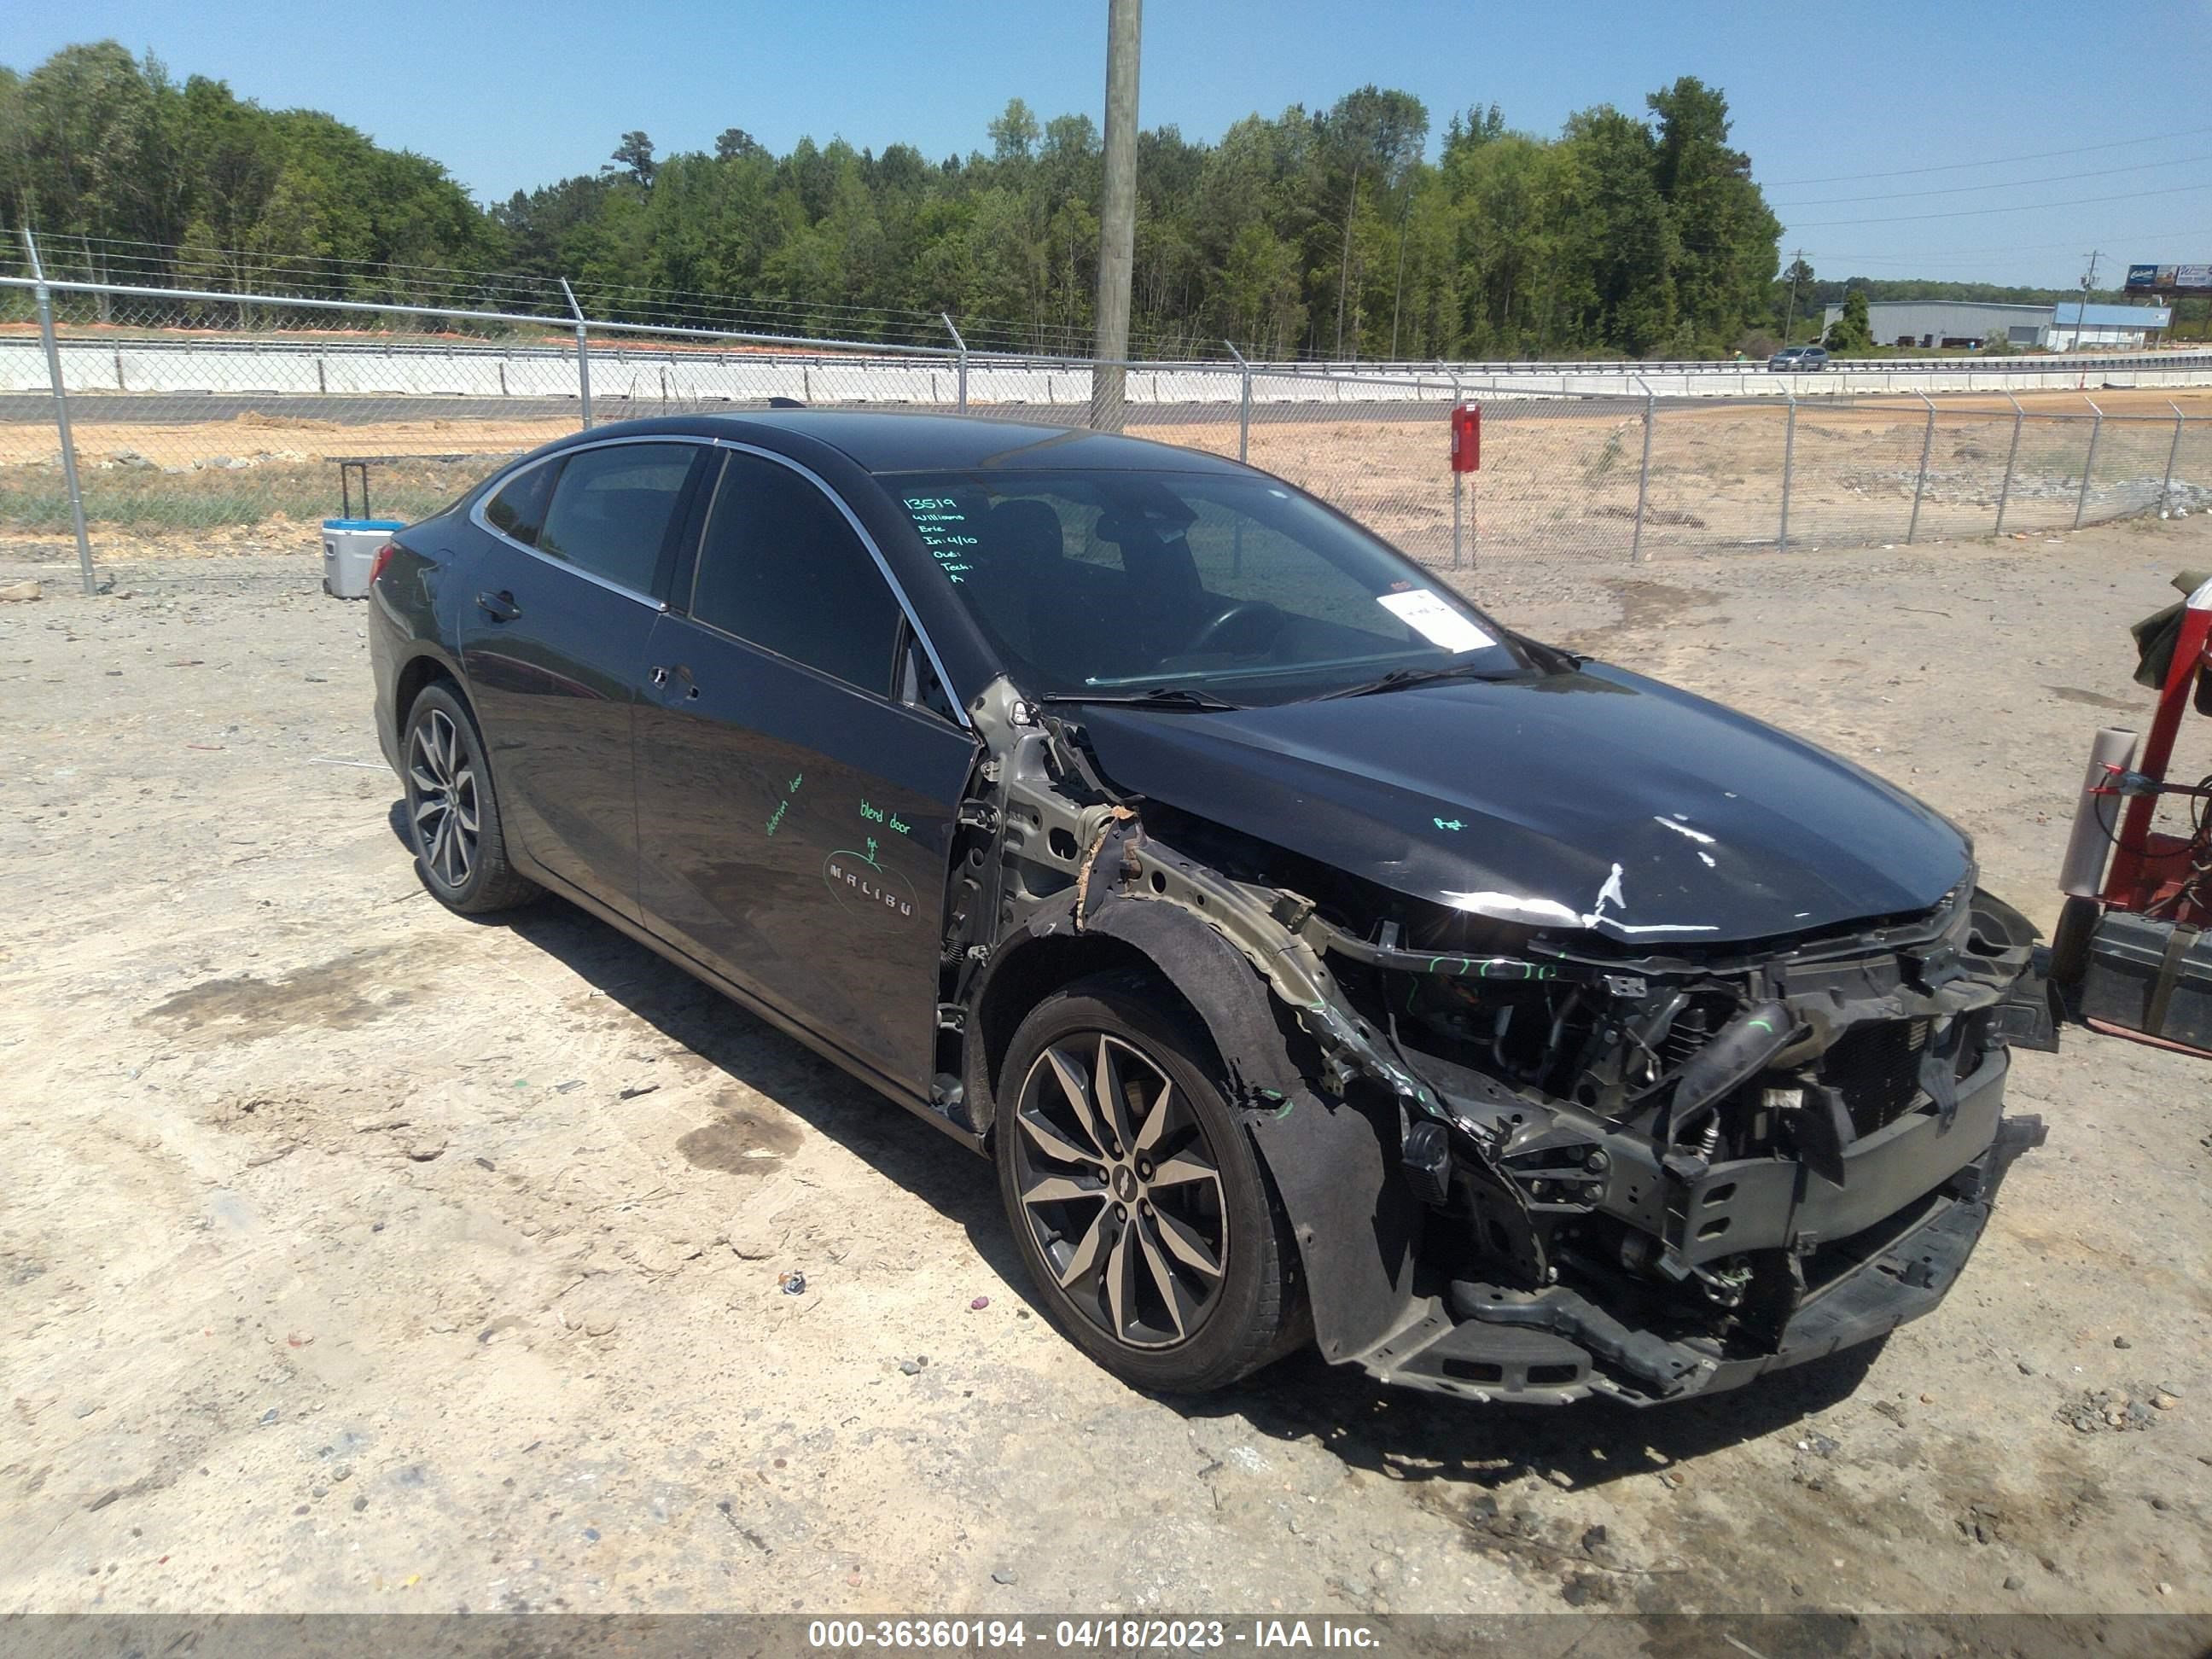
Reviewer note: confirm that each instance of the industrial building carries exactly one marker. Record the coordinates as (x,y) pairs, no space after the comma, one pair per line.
(1931,325)
(2077,327)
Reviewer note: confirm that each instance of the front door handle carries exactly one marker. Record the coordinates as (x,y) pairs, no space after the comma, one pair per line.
(499,607)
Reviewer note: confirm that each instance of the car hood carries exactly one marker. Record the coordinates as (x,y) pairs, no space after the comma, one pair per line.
(1593,801)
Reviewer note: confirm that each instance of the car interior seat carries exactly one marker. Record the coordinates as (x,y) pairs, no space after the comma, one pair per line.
(1016,543)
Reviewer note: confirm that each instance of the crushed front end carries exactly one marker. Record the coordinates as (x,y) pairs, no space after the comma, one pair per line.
(1532,1160)
(1649,1177)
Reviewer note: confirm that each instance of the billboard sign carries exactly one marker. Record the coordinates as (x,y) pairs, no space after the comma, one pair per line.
(2170,279)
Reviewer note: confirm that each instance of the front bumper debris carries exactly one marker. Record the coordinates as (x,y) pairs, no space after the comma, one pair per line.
(1554,1347)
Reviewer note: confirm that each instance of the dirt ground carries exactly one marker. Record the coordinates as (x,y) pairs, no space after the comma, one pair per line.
(354,1256)
(314,438)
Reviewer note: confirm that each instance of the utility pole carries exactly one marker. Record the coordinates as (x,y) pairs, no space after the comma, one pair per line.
(2082,316)
(1398,295)
(1789,317)
(1117,216)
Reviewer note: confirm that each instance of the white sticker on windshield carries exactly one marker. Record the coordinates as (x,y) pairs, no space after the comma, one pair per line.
(1434,621)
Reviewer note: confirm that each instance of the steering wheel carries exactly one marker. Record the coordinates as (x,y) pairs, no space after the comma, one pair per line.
(1265,620)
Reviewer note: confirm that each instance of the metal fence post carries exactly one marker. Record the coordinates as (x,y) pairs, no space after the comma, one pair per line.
(1789,463)
(2172,454)
(2012,455)
(583,354)
(1920,484)
(2089,464)
(1643,472)
(1458,481)
(61,413)
(946,318)
(1459,497)
(1243,451)
(1243,404)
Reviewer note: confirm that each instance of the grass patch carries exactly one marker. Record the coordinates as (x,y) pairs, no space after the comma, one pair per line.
(1605,460)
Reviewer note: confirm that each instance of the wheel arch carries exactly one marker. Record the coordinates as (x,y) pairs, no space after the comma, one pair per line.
(1332,1163)
(1199,969)
(1026,969)
(422,669)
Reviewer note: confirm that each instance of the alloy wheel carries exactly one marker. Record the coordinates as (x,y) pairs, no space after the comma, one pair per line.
(1121,1189)
(441,787)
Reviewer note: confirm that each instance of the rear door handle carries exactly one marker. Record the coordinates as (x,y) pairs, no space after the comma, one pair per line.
(499,607)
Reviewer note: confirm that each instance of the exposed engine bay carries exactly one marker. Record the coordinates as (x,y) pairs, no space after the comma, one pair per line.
(1527,1160)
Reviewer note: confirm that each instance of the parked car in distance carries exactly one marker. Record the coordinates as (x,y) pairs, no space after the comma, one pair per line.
(1319,959)
(1798,359)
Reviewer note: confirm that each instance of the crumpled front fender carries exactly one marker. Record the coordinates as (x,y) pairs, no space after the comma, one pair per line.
(1333,1161)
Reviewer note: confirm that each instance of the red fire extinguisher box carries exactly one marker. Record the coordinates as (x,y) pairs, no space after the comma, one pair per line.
(1467,438)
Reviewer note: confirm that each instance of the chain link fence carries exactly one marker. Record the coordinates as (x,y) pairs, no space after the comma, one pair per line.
(209,421)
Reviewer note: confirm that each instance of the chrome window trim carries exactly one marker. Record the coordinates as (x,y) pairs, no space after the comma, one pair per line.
(876,553)
(476,511)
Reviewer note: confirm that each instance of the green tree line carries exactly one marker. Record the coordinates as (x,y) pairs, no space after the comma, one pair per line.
(1340,232)
(95,144)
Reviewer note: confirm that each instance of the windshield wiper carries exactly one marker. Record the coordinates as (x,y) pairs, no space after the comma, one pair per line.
(1398,678)
(1160,696)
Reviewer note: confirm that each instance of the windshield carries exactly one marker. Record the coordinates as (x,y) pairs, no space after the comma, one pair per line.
(1116,584)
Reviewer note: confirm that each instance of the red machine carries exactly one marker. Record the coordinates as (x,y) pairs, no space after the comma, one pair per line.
(2134,946)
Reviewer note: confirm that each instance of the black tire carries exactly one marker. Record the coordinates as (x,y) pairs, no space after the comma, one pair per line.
(449,782)
(1251,1311)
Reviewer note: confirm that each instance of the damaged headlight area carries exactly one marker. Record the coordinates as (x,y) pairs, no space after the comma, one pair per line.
(1651,1176)
(1528,1161)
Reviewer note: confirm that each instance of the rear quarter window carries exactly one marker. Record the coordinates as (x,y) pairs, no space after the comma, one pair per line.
(517,509)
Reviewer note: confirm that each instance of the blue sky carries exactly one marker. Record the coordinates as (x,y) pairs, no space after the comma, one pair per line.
(510,96)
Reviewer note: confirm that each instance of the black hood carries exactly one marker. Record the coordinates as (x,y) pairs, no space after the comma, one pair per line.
(1596,799)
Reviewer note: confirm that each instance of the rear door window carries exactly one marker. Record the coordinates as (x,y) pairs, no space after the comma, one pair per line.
(780,567)
(613,511)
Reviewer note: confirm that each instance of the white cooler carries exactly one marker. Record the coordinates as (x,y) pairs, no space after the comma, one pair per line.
(349,549)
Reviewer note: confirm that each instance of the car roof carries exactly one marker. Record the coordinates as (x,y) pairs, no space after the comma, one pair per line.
(885,442)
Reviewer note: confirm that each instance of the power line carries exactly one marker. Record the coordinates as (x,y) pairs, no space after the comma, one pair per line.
(2001,160)
(1914,267)
(1969,213)
(2161,235)
(2008,183)
(2013,247)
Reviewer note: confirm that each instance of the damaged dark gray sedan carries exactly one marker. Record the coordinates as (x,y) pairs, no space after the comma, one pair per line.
(1319,959)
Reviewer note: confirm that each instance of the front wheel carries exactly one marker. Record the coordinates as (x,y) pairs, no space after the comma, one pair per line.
(1134,1193)
(453,814)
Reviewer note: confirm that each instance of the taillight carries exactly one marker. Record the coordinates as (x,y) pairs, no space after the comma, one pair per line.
(383,557)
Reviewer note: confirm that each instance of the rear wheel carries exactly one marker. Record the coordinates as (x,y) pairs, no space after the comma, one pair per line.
(1135,1195)
(453,814)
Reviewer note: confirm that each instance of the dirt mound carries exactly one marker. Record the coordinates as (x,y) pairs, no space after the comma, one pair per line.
(288,423)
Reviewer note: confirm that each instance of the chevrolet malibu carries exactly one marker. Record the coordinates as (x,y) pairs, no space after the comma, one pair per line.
(1318,959)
